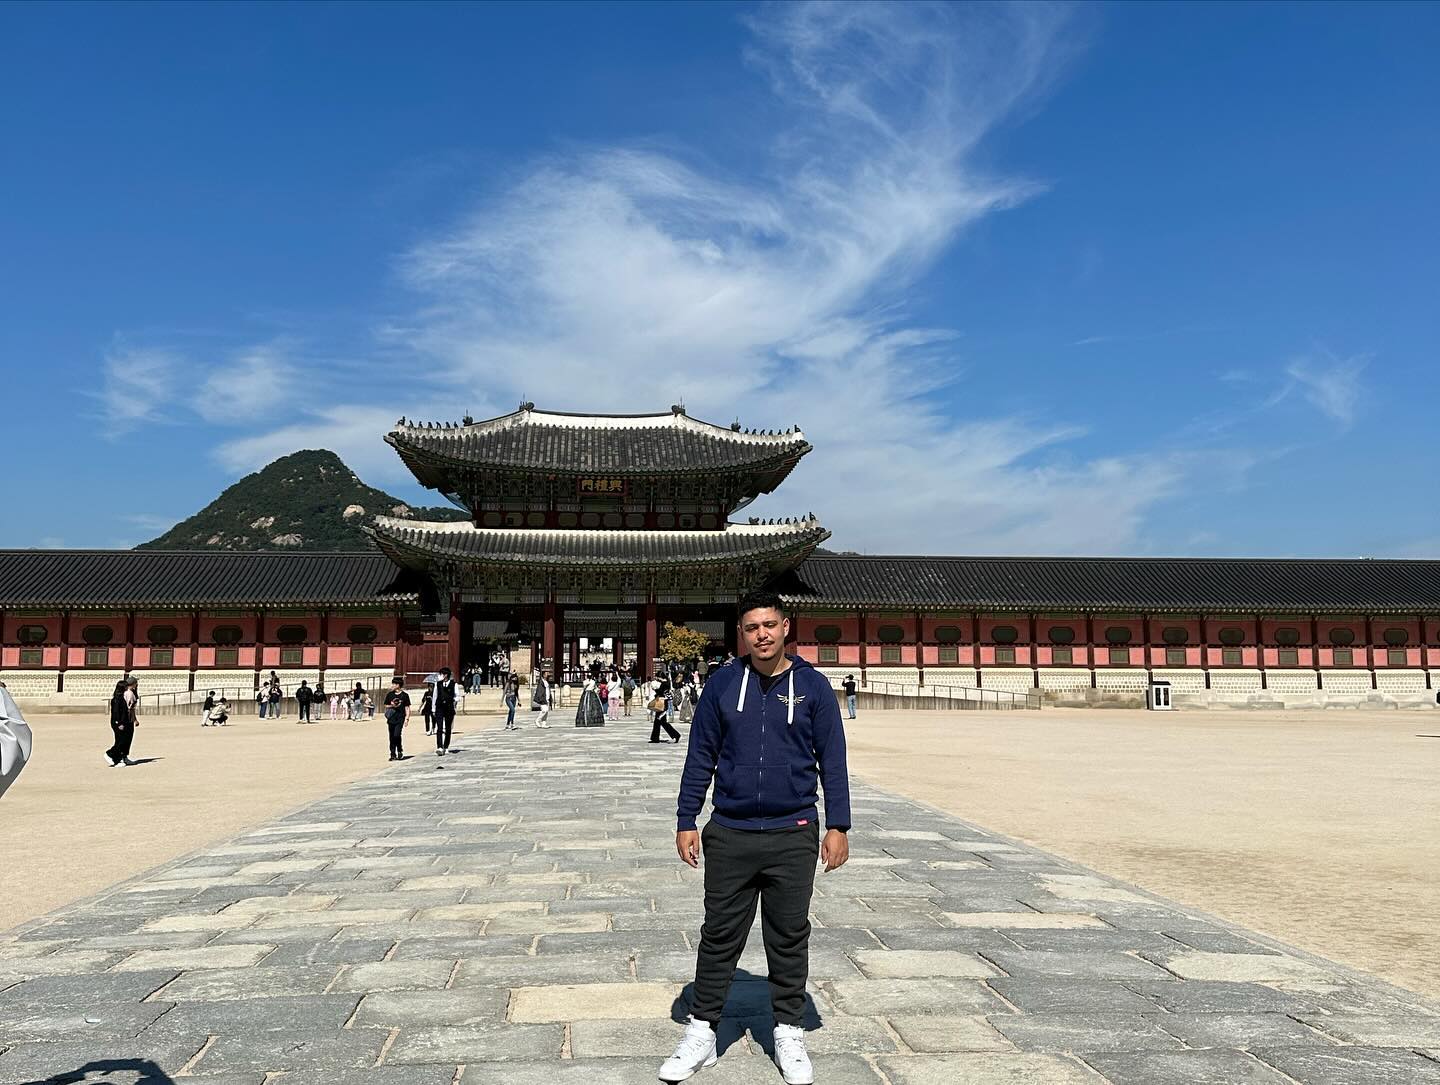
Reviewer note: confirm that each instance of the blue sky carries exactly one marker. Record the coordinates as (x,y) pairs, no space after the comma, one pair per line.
(1149,279)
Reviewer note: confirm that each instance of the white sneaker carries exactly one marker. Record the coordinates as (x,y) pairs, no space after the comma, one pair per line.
(110,760)
(791,1056)
(696,1051)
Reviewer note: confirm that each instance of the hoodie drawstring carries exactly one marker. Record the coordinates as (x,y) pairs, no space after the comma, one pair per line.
(790,705)
(744,685)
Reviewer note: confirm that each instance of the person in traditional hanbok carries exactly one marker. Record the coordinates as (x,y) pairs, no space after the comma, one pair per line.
(590,713)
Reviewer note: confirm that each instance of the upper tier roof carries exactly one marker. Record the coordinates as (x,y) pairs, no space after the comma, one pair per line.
(409,540)
(190,578)
(1192,585)
(555,443)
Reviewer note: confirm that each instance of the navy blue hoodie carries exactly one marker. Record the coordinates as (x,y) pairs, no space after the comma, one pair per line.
(767,752)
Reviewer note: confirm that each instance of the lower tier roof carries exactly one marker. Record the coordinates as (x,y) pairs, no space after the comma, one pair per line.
(417,543)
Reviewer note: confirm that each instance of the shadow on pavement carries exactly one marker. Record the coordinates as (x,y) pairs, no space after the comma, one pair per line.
(747,1009)
(111,1072)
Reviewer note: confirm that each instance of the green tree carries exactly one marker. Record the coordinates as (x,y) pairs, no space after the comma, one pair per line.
(680,644)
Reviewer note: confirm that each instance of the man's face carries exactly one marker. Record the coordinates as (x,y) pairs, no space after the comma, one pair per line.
(763,632)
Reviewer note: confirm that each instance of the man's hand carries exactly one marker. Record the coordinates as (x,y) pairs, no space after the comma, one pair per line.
(834,849)
(687,843)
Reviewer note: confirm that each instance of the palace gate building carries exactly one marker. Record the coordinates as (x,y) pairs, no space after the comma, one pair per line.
(604,526)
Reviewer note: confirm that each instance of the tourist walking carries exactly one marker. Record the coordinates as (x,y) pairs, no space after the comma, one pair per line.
(122,723)
(207,708)
(763,835)
(427,701)
(303,697)
(849,687)
(627,691)
(540,700)
(512,698)
(660,705)
(397,713)
(274,697)
(262,701)
(357,702)
(444,711)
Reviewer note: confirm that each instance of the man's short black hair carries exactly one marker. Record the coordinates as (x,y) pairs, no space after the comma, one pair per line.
(397,681)
(445,671)
(759,599)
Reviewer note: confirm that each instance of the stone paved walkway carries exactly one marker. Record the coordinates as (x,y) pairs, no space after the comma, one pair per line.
(516,914)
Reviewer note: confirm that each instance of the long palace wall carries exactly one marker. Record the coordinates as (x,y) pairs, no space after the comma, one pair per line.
(1330,659)
(73,657)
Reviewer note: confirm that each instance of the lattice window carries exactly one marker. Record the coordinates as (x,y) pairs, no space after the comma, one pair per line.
(32,657)
(829,653)
(949,653)
(1343,657)
(1231,657)
(1062,653)
(362,657)
(162,657)
(97,657)
(227,657)
(1175,657)
(292,657)
(1004,655)
(1396,657)
(1288,657)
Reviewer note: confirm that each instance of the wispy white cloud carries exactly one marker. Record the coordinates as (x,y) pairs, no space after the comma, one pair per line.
(137,386)
(1329,384)
(252,383)
(626,278)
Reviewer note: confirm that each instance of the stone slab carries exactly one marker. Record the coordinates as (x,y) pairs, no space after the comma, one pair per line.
(580,1001)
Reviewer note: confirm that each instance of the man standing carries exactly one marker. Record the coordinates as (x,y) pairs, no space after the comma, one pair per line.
(540,700)
(397,713)
(303,696)
(768,732)
(849,687)
(444,711)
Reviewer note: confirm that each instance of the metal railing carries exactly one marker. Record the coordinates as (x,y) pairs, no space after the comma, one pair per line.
(243,703)
(949,697)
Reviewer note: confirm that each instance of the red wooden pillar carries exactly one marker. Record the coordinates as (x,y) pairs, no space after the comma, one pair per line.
(1034,654)
(1315,651)
(325,648)
(1370,651)
(549,637)
(1260,650)
(650,642)
(129,640)
(864,648)
(1205,648)
(920,645)
(452,648)
(1090,647)
(975,647)
(64,650)
(194,646)
(259,646)
(1424,650)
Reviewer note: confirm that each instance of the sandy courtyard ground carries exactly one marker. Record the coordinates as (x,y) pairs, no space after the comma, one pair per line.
(1321,829)
(71,825)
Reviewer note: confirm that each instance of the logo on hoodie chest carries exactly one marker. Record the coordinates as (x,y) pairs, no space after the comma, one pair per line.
(790,702)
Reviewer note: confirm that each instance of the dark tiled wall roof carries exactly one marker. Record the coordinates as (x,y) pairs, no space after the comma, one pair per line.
(541,547)
(1239,585)
(162,578)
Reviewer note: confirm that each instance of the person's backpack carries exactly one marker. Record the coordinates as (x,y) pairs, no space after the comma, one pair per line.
(542,694)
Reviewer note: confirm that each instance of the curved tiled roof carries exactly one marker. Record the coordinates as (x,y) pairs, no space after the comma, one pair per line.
(1215,585)
(191,578)
(551,441)
(408,540)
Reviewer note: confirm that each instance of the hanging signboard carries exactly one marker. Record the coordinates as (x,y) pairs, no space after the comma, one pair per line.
(601,487)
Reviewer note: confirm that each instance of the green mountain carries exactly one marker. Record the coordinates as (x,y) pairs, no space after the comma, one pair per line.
(305,501)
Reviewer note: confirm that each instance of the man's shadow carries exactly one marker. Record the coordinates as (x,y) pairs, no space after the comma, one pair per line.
(111,1072)
(144,761)
(747,1009)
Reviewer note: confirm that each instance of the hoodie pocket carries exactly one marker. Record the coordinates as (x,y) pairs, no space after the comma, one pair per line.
(737,790)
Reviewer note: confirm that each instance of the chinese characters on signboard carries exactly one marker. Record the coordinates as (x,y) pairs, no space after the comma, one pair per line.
(600,487)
